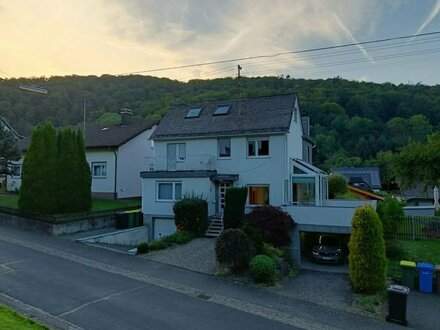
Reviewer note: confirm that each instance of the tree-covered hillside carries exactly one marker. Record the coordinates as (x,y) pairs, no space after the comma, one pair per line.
(351,121)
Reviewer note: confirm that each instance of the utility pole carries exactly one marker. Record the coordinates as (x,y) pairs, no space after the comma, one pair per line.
(84,118)
(239,88)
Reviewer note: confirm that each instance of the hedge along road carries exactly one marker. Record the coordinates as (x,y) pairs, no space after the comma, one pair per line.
(64,284)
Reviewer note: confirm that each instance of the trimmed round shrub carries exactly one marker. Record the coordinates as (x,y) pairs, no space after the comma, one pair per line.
(234,248)
(191,214)
(367,261)
(273,223)
(336,185)
(143,248)
(263,269)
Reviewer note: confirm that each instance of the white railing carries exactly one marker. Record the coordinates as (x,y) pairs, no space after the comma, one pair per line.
(189,163)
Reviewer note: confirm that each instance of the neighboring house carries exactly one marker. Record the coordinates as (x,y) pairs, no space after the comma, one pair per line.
(365,194)
(202,149)
(116,154)
(6,126)
(367,178)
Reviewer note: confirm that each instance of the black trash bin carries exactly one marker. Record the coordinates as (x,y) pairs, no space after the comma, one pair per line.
(397,296)
(437,269)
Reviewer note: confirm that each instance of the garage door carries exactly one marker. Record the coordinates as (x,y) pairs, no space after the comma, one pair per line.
(163,227)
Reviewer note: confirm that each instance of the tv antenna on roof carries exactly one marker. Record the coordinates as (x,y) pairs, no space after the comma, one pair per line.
(239,88)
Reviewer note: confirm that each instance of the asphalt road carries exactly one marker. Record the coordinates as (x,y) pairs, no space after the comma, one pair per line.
(74,286)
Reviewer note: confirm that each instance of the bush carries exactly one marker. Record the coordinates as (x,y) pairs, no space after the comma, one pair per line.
(391,214)
(255,236)
(159,244)
(394,249)
(273,224)
(143,248)
(272,252)
(337,185)
(367,262)
(179,237)
(263,269)
(191,214)
(234,249)
(235,201)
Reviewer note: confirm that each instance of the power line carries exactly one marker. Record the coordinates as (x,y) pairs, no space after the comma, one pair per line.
(284,53)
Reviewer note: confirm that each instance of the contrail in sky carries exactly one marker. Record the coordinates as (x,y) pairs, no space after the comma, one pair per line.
(351,36)
(435,10)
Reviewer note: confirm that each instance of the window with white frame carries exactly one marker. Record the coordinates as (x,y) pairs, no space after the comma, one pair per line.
(169,191)
(99,170)
(258,195)
(224,148)
(258,147)
(16,171)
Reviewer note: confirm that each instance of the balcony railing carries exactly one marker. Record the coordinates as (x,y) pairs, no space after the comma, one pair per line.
(188,163)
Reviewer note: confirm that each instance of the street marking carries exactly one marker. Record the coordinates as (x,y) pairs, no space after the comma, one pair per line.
(265,312)
(99,300)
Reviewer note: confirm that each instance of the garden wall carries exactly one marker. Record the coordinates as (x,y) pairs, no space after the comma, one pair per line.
(60,228)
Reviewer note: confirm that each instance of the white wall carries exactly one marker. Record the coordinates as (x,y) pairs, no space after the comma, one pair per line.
(190,186)
(294,137)
(269,170)
(103,185)
(321,215)
(131,161)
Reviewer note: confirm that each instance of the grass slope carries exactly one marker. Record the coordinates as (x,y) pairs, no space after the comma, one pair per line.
(11,320)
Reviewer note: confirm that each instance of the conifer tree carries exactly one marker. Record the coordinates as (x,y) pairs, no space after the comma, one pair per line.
(84,176)
(367,261)
(39,174)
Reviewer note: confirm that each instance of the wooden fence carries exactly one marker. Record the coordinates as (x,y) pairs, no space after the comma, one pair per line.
(418,227)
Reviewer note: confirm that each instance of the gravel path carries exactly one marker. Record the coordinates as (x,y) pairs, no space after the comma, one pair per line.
(197,255)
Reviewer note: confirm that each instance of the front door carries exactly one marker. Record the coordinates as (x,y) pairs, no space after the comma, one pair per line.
(222,186)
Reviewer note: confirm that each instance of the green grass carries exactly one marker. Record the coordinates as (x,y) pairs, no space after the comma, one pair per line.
(97,204)
(417,250)
(370,303)
(11,320)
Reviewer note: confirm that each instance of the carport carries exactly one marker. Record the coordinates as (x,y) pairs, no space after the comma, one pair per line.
(333,218)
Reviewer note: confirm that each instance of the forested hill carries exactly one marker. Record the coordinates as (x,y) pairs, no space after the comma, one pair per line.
(351,121)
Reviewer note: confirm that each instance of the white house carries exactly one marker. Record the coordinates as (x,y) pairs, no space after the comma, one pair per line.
(116,154)
(8,128)
(261,143)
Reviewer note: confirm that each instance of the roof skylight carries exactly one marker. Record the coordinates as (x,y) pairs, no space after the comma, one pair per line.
(222,110)
(193,113)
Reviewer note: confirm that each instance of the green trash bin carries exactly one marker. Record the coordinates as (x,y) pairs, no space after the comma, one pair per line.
(408,273)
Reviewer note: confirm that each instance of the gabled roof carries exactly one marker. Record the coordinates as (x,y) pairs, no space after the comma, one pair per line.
(370,175)
(108,136)
(98,136)
(260,115)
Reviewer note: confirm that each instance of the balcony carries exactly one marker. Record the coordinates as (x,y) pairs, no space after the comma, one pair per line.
(189,163)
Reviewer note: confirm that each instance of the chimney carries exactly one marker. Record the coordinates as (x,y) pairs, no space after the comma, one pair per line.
(126,115)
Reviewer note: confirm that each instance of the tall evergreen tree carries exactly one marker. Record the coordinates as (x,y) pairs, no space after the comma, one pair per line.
(39,174)
(8,149)
(67,180)
(366,260)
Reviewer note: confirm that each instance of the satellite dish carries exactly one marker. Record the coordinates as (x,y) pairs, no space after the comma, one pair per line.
(33,88)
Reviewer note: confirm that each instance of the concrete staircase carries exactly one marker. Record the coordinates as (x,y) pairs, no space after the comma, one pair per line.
(215,226)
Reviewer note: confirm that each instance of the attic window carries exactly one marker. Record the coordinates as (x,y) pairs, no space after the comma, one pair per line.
(222,110)
(193,113)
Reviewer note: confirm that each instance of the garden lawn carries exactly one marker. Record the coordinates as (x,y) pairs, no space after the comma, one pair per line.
(97,204)
(417,250)
(11,320)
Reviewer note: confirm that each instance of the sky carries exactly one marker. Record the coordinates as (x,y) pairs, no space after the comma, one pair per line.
(95,37)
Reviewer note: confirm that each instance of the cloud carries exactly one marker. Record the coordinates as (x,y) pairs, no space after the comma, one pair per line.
(353,39)
(434,12)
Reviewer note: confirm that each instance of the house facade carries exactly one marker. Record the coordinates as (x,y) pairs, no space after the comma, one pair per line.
(203,149)
(116,154)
